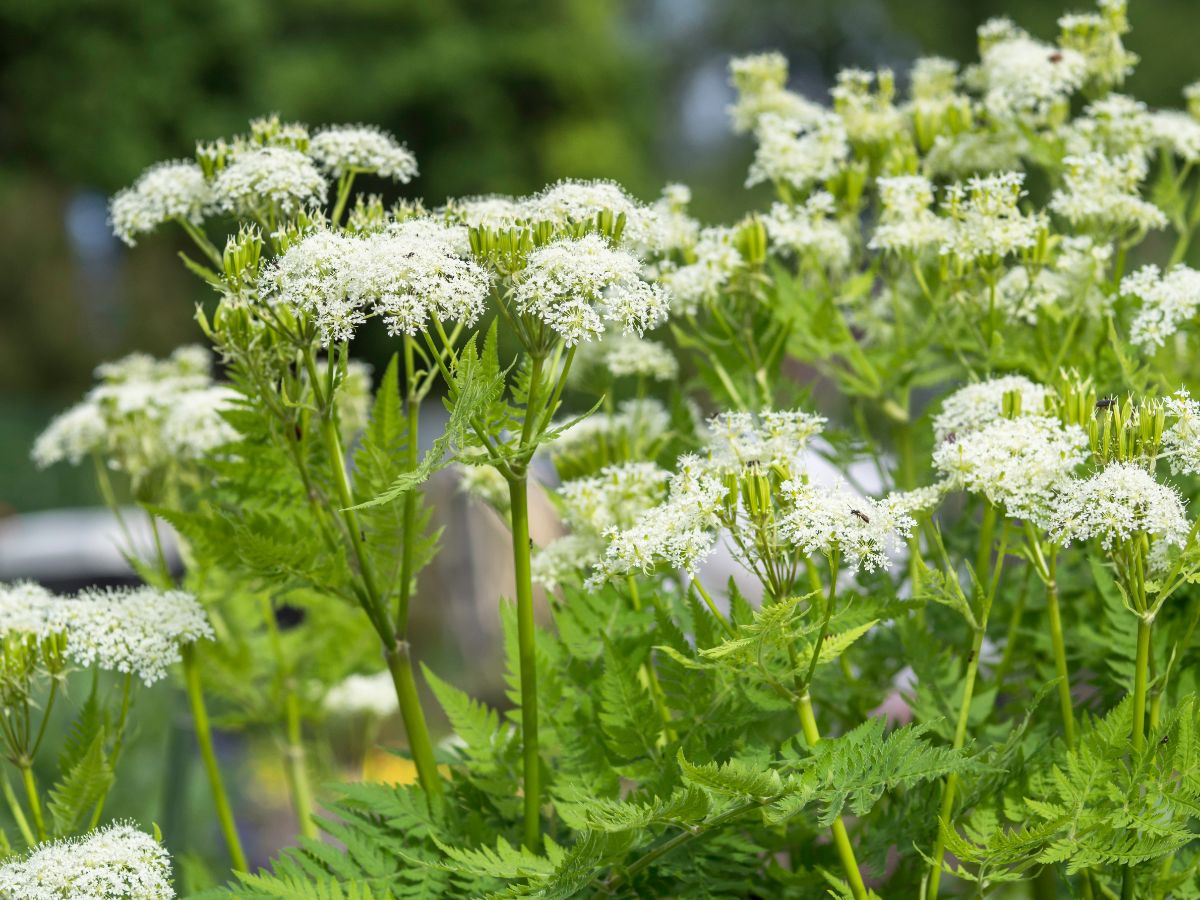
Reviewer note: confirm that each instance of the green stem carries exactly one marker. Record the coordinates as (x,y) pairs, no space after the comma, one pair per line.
(297,767)
(1060,663)
(31,792)
(18,814)
(1140,682)
(420,744)
(518,492)
(191,674)
(841,839)
(951,786)
(713,608)
(343,194)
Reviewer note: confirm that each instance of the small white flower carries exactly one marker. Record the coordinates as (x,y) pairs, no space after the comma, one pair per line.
(358,695)
(574,284)
(135,630)
(761,84)
(1101,193)
(344,149)
(1168,301)
(977,405)
(700,282)
(1025,79)
(810,229)
(635,422)
(907,223)
(1015,463)
(70,436)
(799,153)
(1181,439)
(116,862)
(986,221)
(772,437)
(1178,132)
(634,357)
(490,211)
(193,425)
(164,192)
(1118,503)
(821,520)
(269,176)
(863,100)
(26,609)
(679,533)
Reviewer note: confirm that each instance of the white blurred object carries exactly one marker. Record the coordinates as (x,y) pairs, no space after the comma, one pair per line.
(78,543)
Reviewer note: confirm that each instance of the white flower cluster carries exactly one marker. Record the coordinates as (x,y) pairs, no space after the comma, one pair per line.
(572,285)
(821,520)
(1168,301)
(144,413)
(1101,193)
(799,153)
(810,229)
(863,101)
(26,609)
(1017,464)
(907,222)
(700,282)
(626,356)
(258,179)
(1116,504)
(164,192)
(1177,132)
(1073,278)
(761,84)
(116,862)
(986,222)
(1024,79)
(977,405)
(135,630)
(359,695)
(345,149)
(1181,439)
(772,437)
(409,273)
(610,501)
(679,533)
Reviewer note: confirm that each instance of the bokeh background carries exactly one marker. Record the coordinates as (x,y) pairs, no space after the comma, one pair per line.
(492,97)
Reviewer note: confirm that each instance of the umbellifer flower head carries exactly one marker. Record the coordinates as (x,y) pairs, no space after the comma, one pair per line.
(977,405)
(1168,300)
(116,862)
(135,630)
(269,176)
(1015,463)
(344,149)
(1118,503)
(165,192)
(574,284)
(821,520)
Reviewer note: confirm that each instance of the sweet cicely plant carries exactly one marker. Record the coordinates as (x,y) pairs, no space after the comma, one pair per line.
(876,574)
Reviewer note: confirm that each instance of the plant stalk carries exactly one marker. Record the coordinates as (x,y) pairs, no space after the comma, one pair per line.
(191,674)
(841,839)
(518,492)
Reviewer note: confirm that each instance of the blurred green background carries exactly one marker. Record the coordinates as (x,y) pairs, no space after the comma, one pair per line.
(493,97)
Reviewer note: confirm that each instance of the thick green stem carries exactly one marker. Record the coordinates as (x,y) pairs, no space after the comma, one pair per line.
(1140,682)
(518,492)
(31,793)
(419,742)
(396,651)
(18,814)
(950,789)
(191,674)
(297,764)
(1060,663)
(841,839)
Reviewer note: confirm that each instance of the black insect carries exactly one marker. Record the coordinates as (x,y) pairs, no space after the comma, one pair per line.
(951,438)
(970,656)
(1056,57)
(1106,403)
(861,515)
